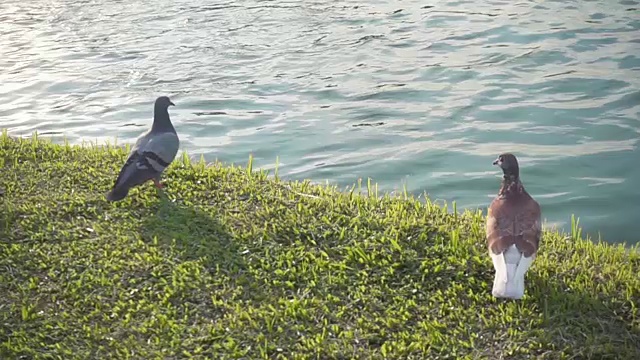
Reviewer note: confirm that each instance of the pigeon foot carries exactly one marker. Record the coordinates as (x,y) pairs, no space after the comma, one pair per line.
(158,184)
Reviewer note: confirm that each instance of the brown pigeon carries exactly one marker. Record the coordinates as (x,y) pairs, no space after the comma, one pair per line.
(513,231)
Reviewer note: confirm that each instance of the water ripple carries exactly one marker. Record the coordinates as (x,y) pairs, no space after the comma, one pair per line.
(406,93)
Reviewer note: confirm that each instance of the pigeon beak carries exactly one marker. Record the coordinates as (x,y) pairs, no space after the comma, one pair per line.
(496,161)
(171,103)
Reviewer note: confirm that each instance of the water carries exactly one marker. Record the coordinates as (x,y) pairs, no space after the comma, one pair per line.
(422,94)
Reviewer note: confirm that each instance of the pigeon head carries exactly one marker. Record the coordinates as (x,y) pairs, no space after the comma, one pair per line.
(163,102)
(509,165)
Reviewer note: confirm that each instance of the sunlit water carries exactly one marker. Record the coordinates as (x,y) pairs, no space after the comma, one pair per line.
(405,92)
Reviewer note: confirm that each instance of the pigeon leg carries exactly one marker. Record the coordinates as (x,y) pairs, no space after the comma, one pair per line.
(157,183)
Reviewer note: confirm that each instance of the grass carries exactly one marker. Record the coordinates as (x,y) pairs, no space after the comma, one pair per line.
(232,263)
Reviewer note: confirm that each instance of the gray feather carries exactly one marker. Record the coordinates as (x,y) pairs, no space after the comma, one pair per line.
(150,156)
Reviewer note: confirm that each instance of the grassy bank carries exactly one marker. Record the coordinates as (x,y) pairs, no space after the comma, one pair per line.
(232,264)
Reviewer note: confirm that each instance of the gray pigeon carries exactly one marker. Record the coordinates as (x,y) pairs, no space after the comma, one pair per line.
(152,153)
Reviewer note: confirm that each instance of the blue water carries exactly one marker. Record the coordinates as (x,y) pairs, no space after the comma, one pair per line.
(422,94)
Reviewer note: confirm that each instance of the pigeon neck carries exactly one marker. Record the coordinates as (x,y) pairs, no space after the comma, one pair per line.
(511,185)
(161,121)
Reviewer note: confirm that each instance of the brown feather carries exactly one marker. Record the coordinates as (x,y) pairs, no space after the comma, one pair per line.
(513,216)
(514,220)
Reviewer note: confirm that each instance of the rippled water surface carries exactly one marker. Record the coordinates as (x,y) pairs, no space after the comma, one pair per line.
(405,92)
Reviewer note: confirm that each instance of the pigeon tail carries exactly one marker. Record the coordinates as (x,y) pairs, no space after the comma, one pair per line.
(511,267)
(117,194)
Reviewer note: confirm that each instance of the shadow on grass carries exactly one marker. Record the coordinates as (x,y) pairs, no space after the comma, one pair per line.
(197,235)
(192,230)
(586,325)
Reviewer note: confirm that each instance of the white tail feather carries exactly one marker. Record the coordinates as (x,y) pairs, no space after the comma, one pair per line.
(511,267)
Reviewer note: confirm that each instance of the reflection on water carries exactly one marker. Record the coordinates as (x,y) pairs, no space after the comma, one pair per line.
(403,92)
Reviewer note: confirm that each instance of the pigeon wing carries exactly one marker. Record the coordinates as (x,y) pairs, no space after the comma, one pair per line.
(498,228)
(160,150)
(516,222)
(529,228)
(148,159)
(133,157)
